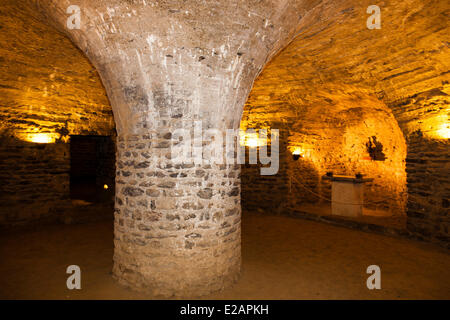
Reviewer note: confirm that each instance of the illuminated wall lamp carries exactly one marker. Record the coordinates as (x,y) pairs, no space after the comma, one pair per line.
(41,138)
(296,155)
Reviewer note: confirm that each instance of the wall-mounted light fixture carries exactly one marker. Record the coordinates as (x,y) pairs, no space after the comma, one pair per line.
(252,140)
(444,131)
(296,154)
(438,126)
(40,137)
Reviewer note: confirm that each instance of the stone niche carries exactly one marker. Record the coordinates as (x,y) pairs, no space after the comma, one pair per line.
(350,135)
(329,64)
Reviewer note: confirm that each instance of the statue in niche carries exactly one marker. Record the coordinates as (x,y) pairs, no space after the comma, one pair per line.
(375,149)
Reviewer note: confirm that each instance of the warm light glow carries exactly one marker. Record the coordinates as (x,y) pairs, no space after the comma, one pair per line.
(437,127)
(444,131)
(252,140)
(105,186)
(298,151)
(41,138)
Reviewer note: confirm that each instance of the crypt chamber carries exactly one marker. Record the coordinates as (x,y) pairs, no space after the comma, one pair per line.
(358,120)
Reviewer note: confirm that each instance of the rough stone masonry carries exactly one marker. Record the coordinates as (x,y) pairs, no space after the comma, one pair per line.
(164,65)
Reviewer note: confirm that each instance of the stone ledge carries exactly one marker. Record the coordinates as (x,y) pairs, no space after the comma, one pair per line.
(366,227)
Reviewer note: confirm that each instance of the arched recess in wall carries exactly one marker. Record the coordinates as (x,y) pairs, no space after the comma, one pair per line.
(341,129)
(398,71)
(50,94)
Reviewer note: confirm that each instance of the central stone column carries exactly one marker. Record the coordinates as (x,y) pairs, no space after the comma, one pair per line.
(177,221)
(177,226)
(166,65)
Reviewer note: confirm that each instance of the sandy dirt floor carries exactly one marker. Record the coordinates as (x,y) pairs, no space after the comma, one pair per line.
(282,258)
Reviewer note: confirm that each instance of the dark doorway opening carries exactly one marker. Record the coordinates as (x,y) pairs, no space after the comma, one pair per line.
(92,168)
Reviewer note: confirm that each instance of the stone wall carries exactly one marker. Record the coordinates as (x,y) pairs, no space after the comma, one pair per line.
(48,91)
(34,180)
(267,193)
(424,119)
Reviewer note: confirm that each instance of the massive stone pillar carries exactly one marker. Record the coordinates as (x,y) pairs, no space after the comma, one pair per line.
(168,65)
(177,226)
